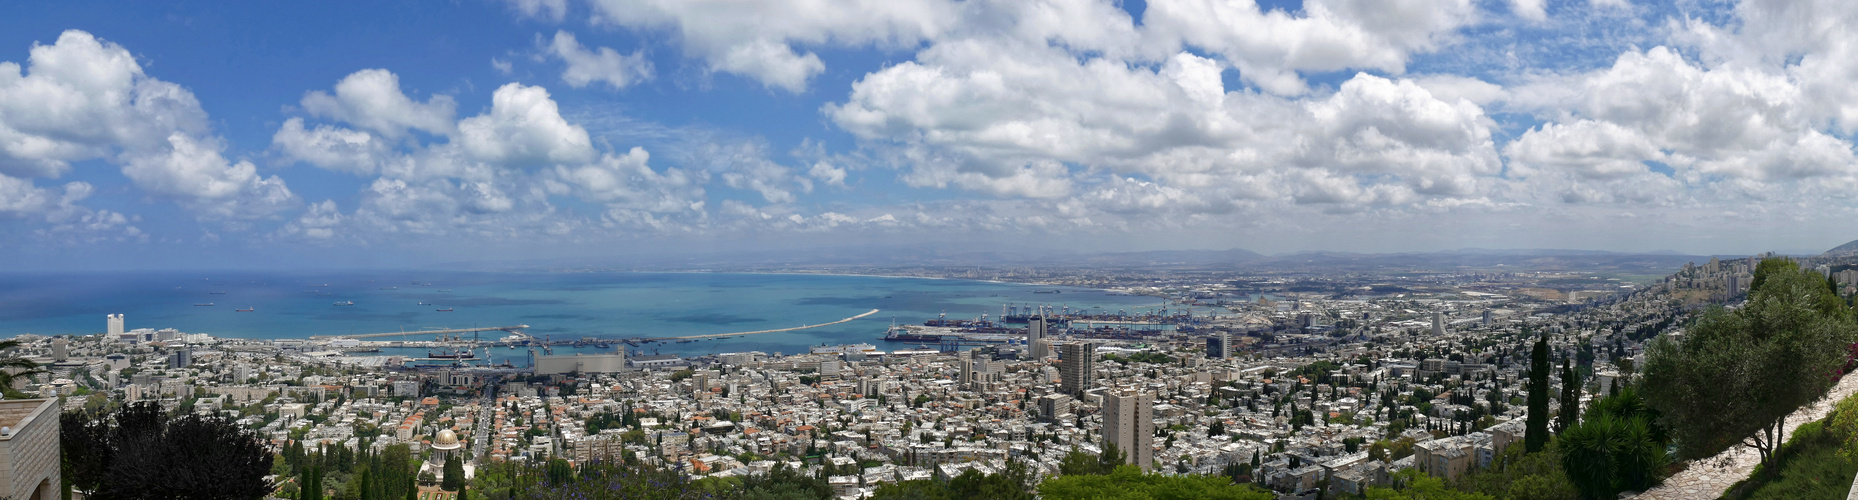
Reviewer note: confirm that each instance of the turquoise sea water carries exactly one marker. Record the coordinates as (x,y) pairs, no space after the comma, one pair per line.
(555,305)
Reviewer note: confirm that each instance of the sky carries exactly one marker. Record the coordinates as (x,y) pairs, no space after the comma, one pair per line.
(395,133)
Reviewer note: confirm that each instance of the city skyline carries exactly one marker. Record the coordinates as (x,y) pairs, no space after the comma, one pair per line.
(402,134)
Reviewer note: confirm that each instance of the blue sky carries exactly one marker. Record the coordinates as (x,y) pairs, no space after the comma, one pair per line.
(397,133)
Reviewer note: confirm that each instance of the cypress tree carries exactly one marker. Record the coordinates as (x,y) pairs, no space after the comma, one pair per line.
(1535,434)
(454,474)
(1570,399)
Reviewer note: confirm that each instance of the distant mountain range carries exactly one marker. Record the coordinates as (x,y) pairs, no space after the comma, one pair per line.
(1236,259)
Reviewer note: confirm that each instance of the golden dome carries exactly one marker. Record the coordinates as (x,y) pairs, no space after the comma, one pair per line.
(446,438)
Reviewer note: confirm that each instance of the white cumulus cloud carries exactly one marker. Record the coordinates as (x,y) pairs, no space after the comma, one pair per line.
(600,64)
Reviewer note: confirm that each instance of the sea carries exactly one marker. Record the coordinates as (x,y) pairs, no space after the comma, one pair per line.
(554,305)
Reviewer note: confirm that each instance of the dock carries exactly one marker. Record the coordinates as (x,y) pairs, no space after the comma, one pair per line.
(802,327)
(511,329)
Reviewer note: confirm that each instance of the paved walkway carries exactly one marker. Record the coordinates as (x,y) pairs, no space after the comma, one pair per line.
(1709,478)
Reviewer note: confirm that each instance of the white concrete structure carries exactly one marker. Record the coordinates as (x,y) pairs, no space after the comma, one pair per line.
(29,456)
(115,325)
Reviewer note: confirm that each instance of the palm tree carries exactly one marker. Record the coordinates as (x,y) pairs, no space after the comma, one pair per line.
(14,368)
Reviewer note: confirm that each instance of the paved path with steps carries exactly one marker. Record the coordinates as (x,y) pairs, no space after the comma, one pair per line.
(1709,478)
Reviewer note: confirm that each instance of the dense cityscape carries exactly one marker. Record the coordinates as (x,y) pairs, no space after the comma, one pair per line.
(929,250)
(1308,386)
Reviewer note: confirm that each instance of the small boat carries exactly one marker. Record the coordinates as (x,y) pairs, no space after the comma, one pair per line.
(216,293)
(424,303)
(448,309)
(345,303)
(203,304)
(245,310)
(444,290)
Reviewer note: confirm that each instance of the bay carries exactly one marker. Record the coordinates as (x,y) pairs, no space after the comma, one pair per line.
(555,305)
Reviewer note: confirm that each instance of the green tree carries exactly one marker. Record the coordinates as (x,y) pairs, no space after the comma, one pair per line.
(1736,375)
(1535,433)
(1516,475)
(1570,399)
(1014,483)
(15,368)
(140,451)
(312,479)
(1606,455)
(1079,463)
(1411,485)
(454,474)
(1111,457)
(1129,482)
(781,483)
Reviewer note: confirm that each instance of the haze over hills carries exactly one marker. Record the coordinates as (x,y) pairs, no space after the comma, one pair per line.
(1849,248)
(875,257)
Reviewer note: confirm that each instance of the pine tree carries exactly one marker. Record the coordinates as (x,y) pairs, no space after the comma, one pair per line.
(1535,434)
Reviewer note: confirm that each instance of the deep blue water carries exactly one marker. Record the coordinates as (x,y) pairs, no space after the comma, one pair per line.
(556,305)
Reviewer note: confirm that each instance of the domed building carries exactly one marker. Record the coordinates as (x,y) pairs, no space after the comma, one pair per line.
(445,446)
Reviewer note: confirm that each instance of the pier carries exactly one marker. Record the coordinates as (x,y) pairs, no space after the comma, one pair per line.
(802,327)
(511,329)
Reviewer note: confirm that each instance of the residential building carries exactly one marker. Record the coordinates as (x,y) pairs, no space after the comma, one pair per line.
(1129,423)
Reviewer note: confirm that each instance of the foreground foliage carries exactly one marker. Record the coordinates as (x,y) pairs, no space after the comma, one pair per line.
(1808,466)
(1517,475)
(1410,484)
(1617,447)
(1129,482)
(1740,373)
(1012,484)
(142,452)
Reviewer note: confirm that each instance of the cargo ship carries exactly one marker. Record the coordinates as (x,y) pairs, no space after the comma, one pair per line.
(245,310)
(457,354)
(345,303)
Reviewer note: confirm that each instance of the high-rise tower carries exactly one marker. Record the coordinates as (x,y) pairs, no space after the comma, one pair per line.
(1078,369)
(1129,423)
(1035,338)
